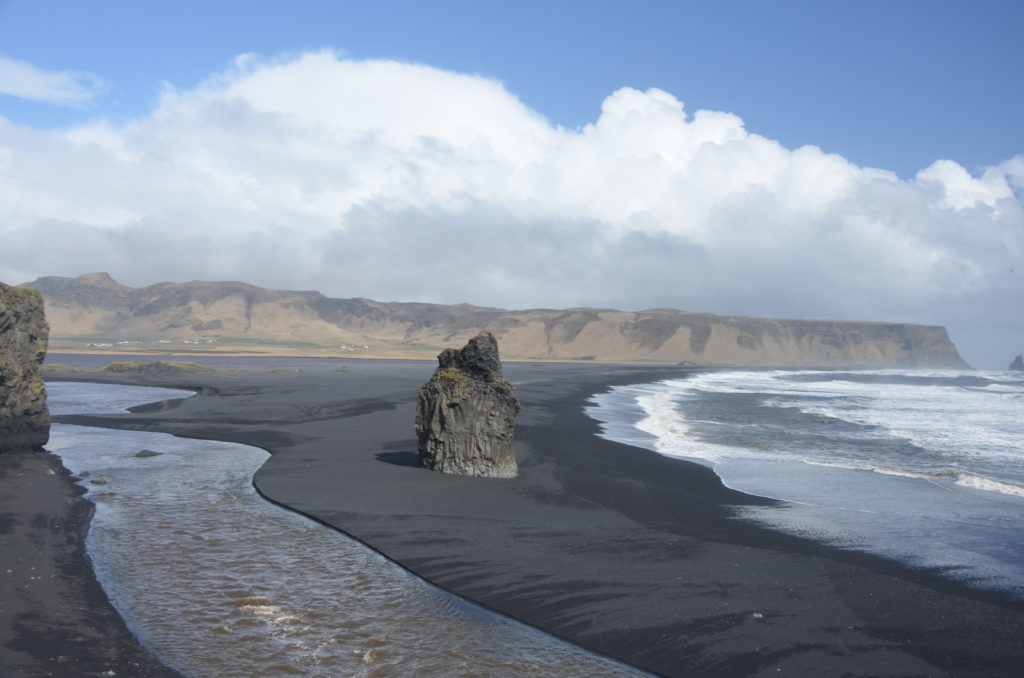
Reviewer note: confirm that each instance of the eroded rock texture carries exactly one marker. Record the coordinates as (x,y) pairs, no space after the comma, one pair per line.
(465,414)
(1017,364)
(24,419)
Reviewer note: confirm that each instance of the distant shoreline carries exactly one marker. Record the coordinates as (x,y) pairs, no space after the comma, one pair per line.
(160,354)
(95,311)
(430,354)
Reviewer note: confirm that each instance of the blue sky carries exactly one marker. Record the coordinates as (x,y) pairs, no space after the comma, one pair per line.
(896,86)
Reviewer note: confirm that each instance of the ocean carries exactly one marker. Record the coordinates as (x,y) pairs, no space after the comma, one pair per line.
(924,467)
(218,582)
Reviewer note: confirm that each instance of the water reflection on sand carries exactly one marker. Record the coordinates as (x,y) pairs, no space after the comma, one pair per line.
(218,582)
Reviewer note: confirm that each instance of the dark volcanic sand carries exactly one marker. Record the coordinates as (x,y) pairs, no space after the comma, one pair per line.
(55,620)
(615,548)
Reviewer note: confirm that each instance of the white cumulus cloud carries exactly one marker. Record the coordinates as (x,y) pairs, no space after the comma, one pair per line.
(401,181)
(66,88)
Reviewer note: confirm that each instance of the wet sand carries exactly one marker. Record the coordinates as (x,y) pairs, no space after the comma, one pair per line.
(615,548)
(55,620)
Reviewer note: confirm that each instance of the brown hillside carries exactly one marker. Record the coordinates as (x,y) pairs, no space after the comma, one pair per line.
(96,309)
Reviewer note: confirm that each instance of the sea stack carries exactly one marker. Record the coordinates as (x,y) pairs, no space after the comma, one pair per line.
(465,414)
(1017,364)
(24,419)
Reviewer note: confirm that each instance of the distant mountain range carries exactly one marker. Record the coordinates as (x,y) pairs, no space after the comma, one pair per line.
(96,309)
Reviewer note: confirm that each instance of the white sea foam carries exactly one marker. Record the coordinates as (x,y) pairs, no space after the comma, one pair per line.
(980,483)
(664,421)
(261,610)
(924,466)
(978,428)
(948,475)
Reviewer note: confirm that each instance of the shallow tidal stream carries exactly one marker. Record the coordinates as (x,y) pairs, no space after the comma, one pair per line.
(218,582)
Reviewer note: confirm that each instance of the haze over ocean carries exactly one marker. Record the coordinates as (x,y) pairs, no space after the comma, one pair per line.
(803,159)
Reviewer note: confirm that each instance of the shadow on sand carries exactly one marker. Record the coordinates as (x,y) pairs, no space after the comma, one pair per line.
(399,458)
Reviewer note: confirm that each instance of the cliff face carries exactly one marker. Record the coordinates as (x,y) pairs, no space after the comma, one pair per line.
(24,419)
(95,307)
(466,412)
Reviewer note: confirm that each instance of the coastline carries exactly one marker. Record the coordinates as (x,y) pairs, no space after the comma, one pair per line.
(616,548)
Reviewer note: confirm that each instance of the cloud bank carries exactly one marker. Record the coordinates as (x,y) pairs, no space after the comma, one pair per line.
(65,88)
(398,181)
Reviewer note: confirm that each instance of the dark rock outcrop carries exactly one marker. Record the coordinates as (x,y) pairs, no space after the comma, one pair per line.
(465,414)
(1017,364)
(157,368)
(24,419)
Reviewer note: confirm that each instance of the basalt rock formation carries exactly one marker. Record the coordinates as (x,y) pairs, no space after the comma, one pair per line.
(1017,364)
(24,419)
(465,414)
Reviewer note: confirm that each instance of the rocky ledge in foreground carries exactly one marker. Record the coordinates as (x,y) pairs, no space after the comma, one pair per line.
(465,414)
(24,418)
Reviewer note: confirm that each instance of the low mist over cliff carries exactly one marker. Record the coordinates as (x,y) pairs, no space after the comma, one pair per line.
(95,309)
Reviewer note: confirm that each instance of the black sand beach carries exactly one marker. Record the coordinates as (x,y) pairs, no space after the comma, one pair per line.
(615,548)
(55,620)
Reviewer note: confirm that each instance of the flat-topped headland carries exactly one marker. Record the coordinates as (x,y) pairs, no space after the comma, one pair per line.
(95,312)
(615,548)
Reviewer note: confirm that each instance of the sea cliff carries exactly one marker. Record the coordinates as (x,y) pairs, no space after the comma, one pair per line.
(96,309)
(24,418)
